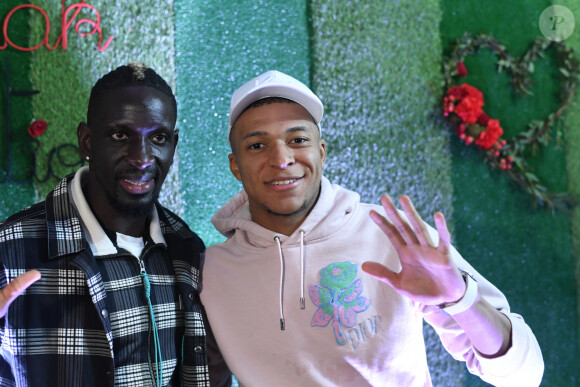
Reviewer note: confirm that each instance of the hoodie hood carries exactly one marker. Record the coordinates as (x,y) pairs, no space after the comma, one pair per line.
(331,212)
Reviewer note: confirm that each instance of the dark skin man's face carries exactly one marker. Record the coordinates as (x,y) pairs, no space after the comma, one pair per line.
(131,142)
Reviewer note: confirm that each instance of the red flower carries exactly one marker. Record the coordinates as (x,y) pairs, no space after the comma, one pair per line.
(483,119)
(461,69)
(472,91)
(469,109)
(37,127)
(456,92)
(488,138)
(470,102)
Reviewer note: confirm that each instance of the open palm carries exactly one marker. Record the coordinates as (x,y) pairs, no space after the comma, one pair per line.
(428,274)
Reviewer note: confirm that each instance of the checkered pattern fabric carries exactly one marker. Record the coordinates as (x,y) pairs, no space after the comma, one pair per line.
(128,312)
(59,331)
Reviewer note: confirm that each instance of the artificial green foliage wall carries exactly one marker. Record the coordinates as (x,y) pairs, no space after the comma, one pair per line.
(15,196)
(379,77)
(376,67)
(572,125)
(525,251)
(220,45)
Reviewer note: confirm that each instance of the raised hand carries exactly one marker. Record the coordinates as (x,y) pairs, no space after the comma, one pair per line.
(15,288)
(428,274)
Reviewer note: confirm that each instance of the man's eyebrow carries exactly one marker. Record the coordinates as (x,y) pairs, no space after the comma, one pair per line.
(293,129)
(254,134)
(128,128)
(298,129)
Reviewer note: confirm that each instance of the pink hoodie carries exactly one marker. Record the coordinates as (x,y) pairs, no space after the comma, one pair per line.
(353,330)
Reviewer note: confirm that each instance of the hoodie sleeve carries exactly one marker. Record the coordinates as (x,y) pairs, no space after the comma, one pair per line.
(522,365)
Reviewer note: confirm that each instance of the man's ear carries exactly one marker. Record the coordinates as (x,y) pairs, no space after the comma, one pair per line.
(175,139)
(84,140)
(234,166)
(322,145)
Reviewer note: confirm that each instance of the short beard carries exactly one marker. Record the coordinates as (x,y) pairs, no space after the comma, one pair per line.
(133,210)
(303,207)
(306,207)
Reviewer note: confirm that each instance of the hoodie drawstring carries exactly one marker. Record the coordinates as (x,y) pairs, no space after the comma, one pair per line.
(302,299)
(282,322)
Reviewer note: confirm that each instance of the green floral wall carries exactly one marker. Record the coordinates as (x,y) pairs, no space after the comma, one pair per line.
(377,67)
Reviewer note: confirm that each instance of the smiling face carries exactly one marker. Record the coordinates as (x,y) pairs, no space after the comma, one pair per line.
(131,143)
(278,156)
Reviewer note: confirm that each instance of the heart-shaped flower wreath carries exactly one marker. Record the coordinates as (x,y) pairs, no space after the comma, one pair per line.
(462,105)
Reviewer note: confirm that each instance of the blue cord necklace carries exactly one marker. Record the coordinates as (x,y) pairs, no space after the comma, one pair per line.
(156,342)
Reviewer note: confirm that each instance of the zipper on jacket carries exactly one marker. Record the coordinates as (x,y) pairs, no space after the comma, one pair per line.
(156,343)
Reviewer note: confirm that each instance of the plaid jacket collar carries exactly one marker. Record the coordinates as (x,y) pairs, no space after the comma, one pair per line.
(98,240)
(65,233)
(63,225)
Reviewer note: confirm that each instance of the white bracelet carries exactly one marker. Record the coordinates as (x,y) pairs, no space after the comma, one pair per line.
(468,298)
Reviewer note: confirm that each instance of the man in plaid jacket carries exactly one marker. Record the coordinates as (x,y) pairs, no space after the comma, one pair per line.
(100,283)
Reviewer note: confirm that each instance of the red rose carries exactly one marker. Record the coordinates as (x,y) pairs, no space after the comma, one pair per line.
(37,128)
(472,92)
(483,119)
(461,69)
(465,101)
(489,137)
(469,109)
(463,91)
(469,106)
(494,129)
(456,92)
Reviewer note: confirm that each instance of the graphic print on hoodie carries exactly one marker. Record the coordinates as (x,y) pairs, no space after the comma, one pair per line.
(337,298)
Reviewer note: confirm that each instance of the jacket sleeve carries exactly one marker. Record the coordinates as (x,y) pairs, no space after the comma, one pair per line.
(6,372)
(522,365)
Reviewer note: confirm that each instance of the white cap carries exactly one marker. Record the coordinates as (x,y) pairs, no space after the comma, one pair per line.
(274,84)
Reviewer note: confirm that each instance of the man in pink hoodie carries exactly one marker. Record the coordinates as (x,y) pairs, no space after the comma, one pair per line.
(291,232)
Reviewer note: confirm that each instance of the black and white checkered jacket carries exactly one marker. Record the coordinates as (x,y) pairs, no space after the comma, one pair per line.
(56,333)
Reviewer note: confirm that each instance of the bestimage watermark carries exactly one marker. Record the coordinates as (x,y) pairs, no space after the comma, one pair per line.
(557,23)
